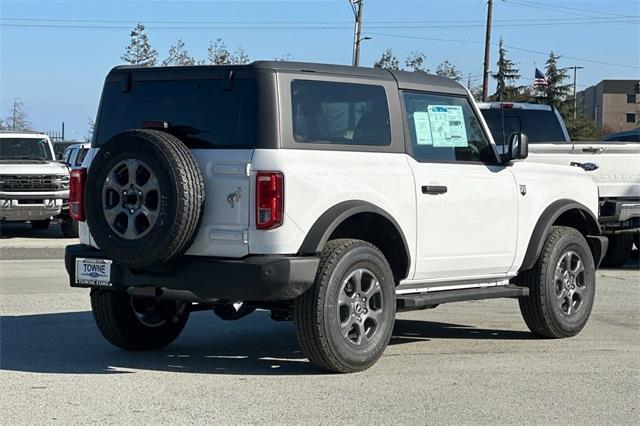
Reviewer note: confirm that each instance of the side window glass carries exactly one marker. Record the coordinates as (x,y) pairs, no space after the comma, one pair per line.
(445,128)
(82,152)
(340,113)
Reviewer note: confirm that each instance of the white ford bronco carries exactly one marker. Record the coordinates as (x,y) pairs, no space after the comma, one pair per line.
(329,195)
(33,185)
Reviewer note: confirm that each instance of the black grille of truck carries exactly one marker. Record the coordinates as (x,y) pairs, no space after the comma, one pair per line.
(33,183)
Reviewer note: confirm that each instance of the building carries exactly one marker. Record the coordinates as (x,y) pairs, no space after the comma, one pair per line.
(613,104)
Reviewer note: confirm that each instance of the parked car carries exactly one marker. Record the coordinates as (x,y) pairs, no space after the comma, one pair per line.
(74,154)
(34,187)
(330,195)
(628,136)
(60,146)
(614,166)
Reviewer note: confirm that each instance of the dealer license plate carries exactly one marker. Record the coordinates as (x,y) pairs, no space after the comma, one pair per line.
(93,272)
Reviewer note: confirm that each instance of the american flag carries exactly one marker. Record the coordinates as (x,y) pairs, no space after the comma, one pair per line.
(540,79)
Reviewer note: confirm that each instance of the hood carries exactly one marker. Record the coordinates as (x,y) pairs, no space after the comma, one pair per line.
(48,168)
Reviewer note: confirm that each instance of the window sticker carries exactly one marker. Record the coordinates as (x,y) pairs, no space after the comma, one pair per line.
(447,126)
(422,125)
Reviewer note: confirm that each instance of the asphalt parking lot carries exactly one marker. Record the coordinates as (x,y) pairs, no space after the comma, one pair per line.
(472,362)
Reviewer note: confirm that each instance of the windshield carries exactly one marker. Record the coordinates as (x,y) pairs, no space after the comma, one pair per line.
(202,113)
(24,149)
(540,126)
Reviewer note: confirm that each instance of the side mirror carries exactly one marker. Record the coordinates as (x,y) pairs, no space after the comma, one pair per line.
(518,147)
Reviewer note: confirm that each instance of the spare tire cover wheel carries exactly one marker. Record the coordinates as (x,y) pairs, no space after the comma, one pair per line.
(144,198)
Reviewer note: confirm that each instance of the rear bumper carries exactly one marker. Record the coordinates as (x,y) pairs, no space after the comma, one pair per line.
(253,278)
(620,215)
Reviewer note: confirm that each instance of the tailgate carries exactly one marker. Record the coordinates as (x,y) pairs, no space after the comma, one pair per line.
(618,167)
(225,219)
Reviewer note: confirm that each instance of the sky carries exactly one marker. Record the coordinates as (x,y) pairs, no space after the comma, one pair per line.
(55,54)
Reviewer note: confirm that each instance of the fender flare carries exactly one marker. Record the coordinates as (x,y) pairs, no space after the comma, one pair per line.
(546,220)
(324,226)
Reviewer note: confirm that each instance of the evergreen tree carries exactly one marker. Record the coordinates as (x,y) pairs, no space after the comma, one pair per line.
(449,70)
(387,61)
(556,91)
(507,73)
(219,54)
(18,118)
(178,55)
(139,51)
(416,62)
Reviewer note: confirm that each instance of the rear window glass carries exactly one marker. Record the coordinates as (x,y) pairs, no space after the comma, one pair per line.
(540,126)
(340,113)
(200,112)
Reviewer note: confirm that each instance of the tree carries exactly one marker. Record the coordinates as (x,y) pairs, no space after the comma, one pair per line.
(92,127)
(449,70)
(507,73)
(18,118)
(139,51)
(284,58)
(219,54)
(555,93)
(387,61)
(178,55)
(416,62)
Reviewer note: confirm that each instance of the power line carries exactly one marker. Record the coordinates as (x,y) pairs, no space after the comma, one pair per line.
(438,21)
(303,27)
(555,6)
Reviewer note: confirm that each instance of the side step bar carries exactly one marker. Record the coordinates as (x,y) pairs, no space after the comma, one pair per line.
(427,300)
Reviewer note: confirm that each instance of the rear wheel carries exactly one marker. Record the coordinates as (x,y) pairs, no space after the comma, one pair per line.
(345,320)
(40,224)
(619,250)
(137,324)
(562,285)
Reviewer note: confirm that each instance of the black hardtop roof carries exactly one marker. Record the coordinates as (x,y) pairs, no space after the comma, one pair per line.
(406,80)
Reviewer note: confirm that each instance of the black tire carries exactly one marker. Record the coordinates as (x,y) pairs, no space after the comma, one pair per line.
(317,313)
(542,310)
(40,224)
(619,251)
(119,323)
(69,229)
(178,206)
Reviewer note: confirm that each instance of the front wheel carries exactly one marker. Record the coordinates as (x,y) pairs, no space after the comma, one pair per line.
(345,320)
(562,285)
(137,324)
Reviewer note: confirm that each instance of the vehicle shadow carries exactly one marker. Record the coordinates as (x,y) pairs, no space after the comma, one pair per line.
(24,230)
(70,343)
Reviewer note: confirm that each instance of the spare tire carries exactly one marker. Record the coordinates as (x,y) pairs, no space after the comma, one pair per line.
(144,198)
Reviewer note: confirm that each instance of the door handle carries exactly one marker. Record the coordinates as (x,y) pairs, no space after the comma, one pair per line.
(592,149)
(434,189)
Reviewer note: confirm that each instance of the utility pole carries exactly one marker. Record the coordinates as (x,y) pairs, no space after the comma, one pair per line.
(357,5)
(13,121)
(487,48)
(575,93)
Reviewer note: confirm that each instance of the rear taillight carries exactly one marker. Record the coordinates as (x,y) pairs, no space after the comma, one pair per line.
(269,199)
(76,194)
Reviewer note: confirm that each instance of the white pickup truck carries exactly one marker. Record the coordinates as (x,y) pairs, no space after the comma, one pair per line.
(34,187)
(614,166)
